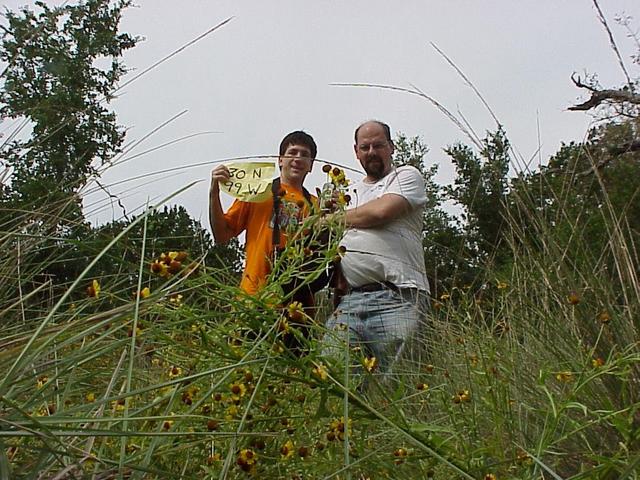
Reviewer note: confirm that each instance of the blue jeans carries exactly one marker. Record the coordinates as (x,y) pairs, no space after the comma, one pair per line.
(380,322)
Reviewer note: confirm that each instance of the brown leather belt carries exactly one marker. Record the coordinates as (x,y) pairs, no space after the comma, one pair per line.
(374,287)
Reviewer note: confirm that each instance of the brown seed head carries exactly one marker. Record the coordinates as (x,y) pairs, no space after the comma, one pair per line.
(604,317)
(174,267)
(303,452)
(573,298)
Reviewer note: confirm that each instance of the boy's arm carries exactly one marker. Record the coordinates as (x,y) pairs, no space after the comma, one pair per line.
(221,231)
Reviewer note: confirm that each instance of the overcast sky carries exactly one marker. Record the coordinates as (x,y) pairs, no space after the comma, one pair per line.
(269,71)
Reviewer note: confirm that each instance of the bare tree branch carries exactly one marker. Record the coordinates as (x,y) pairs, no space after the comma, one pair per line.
(600,96)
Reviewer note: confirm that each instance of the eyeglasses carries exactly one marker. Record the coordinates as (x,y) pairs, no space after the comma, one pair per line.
(365,147)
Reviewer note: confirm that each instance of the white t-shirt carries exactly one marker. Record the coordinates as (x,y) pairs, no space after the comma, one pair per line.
(392,252)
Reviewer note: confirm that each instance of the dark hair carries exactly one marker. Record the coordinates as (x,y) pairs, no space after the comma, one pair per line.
(385,127)
(299,138)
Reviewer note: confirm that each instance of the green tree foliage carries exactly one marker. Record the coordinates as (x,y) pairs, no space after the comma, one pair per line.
(588,194)
(446,255)
(62,66)
(169,229)
(480,188)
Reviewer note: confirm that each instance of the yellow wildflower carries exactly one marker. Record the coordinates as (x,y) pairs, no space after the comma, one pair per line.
(370,363)
(42,380)
(462,396)
(319,371)
(287,450)
(167,424)
(247,459)
(564,377)
(93,290)
(295,311)
(283,325)
(176,299)
(604,317)
(175,371)
(118,405)
(145,292)
(231,412)
(238,389)
(159,268)
(337,427)
(400,454)
(573,298)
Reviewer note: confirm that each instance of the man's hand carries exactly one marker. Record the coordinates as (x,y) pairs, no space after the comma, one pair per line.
(329,220)
(377,212)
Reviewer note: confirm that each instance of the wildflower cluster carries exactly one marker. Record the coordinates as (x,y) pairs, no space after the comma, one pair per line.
(462,396)
(564,377)
(246,460)
(337,429)
(333,196)
(169,263)
(400,455)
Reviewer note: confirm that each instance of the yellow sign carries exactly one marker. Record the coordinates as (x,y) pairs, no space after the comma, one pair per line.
(250,181)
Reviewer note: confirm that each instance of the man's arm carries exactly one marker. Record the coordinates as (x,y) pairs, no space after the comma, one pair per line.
(377,212)
(221,231)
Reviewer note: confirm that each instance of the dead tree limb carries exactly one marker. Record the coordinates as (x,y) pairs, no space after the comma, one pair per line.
(600,96)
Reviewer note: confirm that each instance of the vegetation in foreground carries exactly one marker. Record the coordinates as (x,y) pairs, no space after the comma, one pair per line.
(532,375)
(128,351)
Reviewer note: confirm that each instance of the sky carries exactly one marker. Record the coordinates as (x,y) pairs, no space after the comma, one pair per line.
(273,68)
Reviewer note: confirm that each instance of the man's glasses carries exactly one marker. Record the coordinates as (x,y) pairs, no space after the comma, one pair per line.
(365,147)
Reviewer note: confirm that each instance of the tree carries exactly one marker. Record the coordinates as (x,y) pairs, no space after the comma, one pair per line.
(62,66)
(583,194)
(168,229)
(480,187)
(446,256)
(618,104)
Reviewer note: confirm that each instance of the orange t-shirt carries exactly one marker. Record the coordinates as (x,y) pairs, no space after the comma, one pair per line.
(257,220)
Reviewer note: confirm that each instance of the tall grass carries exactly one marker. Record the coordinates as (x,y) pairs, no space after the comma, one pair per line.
(536,375)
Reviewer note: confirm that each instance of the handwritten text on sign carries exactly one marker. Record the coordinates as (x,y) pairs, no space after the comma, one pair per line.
(250,181)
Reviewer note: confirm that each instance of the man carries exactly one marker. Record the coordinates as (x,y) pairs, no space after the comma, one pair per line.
(385,296)
(266,229)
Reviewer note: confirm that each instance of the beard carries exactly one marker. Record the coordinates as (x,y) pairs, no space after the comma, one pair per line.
(374,167)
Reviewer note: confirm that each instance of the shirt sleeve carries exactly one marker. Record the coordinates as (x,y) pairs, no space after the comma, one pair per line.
(408,183)
(237,217)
